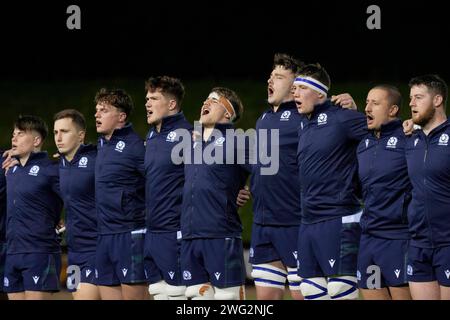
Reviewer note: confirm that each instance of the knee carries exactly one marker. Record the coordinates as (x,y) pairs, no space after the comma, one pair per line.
(202,291)
(266,275)
(343,288)
(314,289)
(231,293)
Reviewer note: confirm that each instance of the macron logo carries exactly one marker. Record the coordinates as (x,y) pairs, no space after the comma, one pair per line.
(447,273)
(171,274)
(35,279)
(88,272)
(124,271)
(217,275)
(397,273)
(367,143)
(331,262)
(294,253)
(416,141)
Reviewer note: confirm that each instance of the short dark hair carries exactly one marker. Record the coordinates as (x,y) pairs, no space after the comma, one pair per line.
(288,62)
(115,97)
(76,116)
(434,83)
(32,123)
(317,72)
(394,95)
(233,98)
(168,86)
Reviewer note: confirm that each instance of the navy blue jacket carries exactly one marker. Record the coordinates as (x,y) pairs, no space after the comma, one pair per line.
(210,190)
(276,198)
(119,182)
(164,179)
(429,170)
(327,162)
(2,202)
(386,188)
(34,206)
(77,184)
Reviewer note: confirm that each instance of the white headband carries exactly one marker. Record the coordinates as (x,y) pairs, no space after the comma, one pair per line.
(312,83)
(225,102)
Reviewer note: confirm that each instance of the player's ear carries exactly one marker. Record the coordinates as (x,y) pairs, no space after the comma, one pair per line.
(172,105)
(393,110)
(437,100)
(37,141)
(81,136)
(122,117)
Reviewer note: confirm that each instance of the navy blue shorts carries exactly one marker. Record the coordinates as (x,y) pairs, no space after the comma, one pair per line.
(274,243)
(389,255)
(426,265)
(85,261)
(120,258)
(32,272)
(162,257)
(219,261)
(329,248)
(2,263)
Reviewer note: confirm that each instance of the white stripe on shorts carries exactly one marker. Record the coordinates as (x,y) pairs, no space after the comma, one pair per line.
(139,231)
(352,218)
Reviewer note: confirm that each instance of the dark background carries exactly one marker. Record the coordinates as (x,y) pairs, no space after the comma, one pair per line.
(44,67)
(217,39)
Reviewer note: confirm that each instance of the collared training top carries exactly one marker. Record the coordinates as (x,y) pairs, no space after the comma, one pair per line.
(2,202)
(34,206)
(327,162)
(77,184)
(276,198)
(386,188)
(428,158)
(209,207)
(164,177)
(119,182)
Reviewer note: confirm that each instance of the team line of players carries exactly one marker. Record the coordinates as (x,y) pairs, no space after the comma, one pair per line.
(138,222)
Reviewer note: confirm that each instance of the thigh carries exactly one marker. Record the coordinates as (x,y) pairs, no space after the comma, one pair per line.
(441,264)
(192,263)
(308,266)
(261,247)
(42,272)
(391,257)
(127,256)
(164,248)
(224,261)
(285,240)
(85,264)
(2,264)
(419,268)
(365,264)
(13,278)
(105,272)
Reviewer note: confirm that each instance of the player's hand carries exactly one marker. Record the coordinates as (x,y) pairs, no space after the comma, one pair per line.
(243,196)
(196,136)
(9,161)
(408,127)
(345,100)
